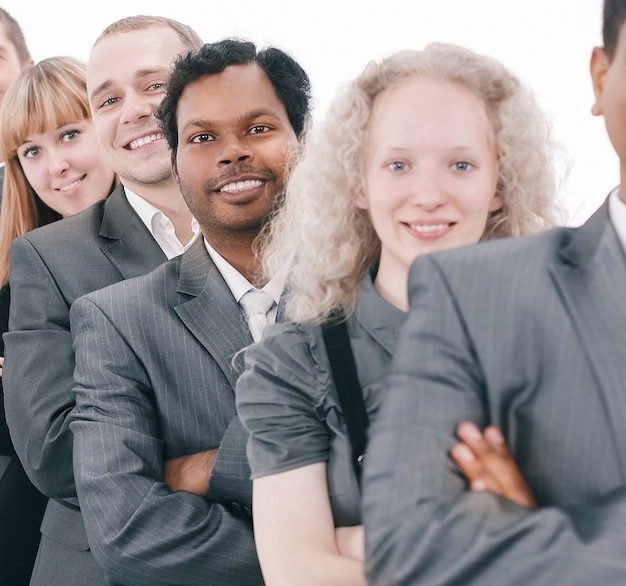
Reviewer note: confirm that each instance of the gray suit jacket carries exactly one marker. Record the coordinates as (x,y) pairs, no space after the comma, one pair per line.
(527,334)
(155,380)
(50,268)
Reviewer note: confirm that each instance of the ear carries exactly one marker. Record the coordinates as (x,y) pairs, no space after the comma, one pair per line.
(598,67)
(174,168)
(496,203)
(360,200)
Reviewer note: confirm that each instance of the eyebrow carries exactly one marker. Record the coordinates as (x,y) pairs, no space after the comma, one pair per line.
(140,74)
(245,117)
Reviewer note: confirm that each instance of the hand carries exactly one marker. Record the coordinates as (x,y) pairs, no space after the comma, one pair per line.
(191,473)
(485,461)
(351,542)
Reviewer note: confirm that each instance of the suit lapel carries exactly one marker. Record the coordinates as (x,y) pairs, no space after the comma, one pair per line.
(128,243)
(591,279)
(209,309)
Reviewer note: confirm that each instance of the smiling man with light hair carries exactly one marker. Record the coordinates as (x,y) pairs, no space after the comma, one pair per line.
(143,223)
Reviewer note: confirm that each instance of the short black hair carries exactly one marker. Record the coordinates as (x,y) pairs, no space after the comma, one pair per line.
(613,17)
(289,80)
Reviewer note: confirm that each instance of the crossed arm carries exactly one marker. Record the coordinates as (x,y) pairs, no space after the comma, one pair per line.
(140,530)
(422,525)
(294,531)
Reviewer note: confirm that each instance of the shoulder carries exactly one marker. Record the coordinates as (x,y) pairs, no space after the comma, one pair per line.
(503,256)
(143,291)
(287,342)
(72,233)
(66,241)
(290,357)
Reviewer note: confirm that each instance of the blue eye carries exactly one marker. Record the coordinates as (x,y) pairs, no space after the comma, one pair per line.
(462,166)
(109,102)
(30,152)
(69,135)
(397,166)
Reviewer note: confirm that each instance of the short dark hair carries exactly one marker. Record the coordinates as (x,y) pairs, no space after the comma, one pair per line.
(613,17)
(15,35)
(290,81)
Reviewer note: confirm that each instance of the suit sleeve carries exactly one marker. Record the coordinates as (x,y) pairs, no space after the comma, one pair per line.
(141,532)
(230,477)
(38,373)
(422,524)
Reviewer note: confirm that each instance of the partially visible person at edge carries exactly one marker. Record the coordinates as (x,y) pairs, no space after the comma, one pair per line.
(140,225)
(54,169)
(424,151)
(14,58)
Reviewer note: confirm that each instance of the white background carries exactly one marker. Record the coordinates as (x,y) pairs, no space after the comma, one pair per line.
(546,42)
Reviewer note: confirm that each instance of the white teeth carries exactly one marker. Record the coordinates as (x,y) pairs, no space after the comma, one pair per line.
(241,185)
(70,186)
(428,227)
(135,144)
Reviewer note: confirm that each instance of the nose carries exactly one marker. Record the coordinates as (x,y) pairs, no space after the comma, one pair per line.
(234,150)
(57,162)
(429,191)
(135,106)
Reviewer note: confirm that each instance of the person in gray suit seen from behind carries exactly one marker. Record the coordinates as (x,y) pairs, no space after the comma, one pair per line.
(137,228)
(526,335)
(157,357)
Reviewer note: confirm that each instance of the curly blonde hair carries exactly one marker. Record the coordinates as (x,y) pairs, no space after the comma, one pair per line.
(331,243)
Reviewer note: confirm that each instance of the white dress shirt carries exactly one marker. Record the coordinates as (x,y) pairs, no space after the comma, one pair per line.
(160,226)
(617,213)
(239,285)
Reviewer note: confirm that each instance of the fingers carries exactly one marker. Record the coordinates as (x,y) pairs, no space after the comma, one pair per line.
(471,467)
(485,460)
(472,456)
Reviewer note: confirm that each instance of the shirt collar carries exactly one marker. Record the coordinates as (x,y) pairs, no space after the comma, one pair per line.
(238,284)
(617,213)
(150,214)
(158,224)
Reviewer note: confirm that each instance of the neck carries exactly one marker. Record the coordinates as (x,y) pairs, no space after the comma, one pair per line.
(238,250)
(392,283)
(167,198)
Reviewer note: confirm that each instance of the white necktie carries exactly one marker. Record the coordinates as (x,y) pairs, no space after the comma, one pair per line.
(256,304)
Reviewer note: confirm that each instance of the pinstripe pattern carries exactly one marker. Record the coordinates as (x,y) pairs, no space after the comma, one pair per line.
(154,381)
(527,334)
(50,268)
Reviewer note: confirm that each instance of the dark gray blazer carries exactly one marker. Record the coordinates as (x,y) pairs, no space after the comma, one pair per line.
(50,268)
(155,380)
(527,334)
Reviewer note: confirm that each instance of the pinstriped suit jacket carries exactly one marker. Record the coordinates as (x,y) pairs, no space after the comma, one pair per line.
(528,334)
(155,380)
(50,267)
